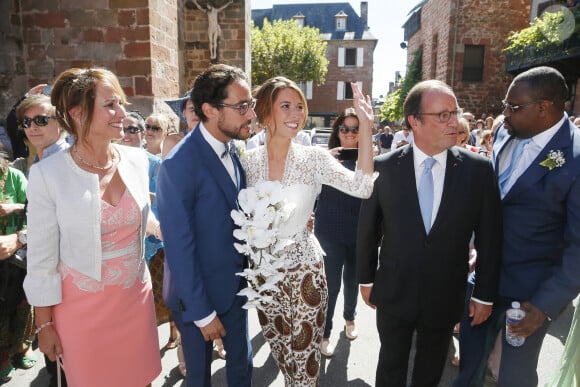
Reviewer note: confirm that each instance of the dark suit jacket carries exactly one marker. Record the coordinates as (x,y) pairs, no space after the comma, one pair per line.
(541,247)
(195,196)
(421,274)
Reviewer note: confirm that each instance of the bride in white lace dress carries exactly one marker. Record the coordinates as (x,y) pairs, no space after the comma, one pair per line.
(294,324)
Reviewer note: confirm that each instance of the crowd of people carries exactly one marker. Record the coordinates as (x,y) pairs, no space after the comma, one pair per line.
(113,224)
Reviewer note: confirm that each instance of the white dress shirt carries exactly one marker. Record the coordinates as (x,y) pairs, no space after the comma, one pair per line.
(529,154)
(399,136)
(219,148)
(438,171)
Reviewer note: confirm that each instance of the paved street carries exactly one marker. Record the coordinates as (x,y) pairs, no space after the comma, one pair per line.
(353,364)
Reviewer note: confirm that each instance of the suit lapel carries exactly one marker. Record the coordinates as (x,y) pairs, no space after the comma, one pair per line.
(561,141)
(499,148)
(406,182)
(216,168)
(451,185)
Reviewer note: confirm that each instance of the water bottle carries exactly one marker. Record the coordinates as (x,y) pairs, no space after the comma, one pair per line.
(514,315)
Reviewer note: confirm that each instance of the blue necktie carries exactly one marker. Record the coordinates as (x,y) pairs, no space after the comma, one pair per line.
(426,193)
(516,154)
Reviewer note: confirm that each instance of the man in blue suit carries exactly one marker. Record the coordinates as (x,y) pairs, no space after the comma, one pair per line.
(197,189)
(538,168)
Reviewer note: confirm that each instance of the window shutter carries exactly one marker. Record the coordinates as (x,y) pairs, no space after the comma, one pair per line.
(309,90)
(341,57)
(340,91)
(360,57)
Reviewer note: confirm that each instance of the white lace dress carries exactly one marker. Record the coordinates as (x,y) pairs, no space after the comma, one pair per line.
(295,327)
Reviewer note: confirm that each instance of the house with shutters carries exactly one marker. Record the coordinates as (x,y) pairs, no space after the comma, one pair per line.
(350,51)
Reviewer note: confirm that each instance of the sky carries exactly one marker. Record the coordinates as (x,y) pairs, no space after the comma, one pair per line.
(385,19)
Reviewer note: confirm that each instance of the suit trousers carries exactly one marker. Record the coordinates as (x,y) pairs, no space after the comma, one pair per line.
(396,335)
(518,364)
(476,344)
(198,352)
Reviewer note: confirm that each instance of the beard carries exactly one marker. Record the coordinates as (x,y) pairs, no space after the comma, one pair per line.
(241,132)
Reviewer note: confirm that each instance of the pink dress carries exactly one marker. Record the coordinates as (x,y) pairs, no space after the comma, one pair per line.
(107,328)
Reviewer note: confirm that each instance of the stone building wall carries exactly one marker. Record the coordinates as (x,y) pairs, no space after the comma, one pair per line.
(234,44)
(156,47)
(448,25)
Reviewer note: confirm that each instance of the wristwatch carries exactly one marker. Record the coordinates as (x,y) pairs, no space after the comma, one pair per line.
(22,237)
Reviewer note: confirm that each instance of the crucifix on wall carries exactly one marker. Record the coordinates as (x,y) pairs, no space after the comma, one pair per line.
(213,29)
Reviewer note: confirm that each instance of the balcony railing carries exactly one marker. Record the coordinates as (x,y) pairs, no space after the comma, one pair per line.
(531,57)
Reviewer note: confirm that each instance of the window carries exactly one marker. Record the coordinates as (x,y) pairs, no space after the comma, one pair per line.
(299,19)
(473,63)
(340,24)
(306,88)
(350,57)
(344,90)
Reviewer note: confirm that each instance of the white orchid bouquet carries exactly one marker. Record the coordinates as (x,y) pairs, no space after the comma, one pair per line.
(262,210)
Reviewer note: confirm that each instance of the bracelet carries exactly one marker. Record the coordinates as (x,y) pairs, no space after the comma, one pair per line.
(46,324)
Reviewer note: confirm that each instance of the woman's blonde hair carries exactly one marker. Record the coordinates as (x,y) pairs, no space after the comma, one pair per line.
(163,121)
(77,87)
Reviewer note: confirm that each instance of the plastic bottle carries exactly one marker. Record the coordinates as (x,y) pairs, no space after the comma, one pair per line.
(514,315)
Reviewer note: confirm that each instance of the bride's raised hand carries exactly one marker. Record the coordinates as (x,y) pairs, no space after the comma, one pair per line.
(363,107)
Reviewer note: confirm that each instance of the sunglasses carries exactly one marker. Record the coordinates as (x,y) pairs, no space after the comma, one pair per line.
(132,129)
(38,120)
(345,129)
(152,127)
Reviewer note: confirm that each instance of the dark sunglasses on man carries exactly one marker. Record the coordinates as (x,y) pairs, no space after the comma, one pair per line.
(132,129)
(39,120)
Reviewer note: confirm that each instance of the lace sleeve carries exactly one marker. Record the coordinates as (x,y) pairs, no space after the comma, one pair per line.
(332,173)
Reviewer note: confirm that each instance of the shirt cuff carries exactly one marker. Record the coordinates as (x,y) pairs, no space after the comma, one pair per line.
(367,285)
(481,302)
(206,320)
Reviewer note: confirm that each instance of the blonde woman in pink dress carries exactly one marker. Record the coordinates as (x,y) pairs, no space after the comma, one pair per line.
(88,215)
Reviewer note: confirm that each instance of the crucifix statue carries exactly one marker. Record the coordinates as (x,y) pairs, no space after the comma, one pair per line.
(213,30)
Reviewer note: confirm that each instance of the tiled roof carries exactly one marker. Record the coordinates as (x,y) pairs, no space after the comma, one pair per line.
(319,15)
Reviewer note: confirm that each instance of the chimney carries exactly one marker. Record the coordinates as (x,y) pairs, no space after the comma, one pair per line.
(364,12)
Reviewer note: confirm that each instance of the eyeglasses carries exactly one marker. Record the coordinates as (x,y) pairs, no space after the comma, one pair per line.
(132,129)
(345,129)
(242,108)
(38,120)
(152,127)
(516,108)
(444,116)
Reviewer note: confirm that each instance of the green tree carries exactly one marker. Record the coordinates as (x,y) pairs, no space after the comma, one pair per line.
(284,48)
(392,109)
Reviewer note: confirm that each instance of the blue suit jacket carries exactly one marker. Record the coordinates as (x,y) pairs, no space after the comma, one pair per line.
(541,212)
(195,196)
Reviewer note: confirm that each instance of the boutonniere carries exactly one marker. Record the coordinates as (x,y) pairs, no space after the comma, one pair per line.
(555,159)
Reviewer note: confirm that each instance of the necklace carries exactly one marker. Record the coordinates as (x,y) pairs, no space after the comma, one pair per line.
(109,164)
